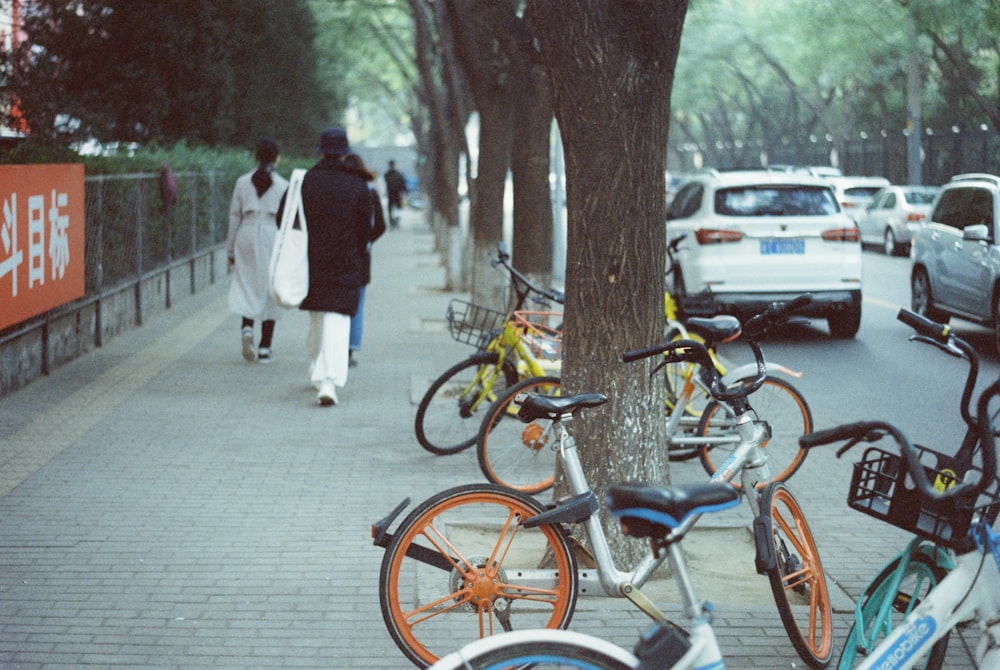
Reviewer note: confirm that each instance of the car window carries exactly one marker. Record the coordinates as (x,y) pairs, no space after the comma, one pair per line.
(919,197)
(862,191)
(962,207)
(775,201)
(686,202)
(890,201)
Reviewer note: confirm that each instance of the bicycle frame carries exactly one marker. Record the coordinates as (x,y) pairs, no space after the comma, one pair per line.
(967,593)
(749,461)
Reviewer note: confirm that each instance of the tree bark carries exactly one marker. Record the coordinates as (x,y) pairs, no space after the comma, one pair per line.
(612,65)
(532,246)
(478,26)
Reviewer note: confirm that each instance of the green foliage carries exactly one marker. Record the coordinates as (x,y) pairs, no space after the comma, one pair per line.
(775,70)
(375,37)
(209,72)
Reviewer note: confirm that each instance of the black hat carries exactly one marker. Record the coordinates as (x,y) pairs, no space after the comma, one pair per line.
(333,142)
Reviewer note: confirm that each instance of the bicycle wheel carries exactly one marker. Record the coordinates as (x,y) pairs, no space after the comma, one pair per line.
(886,602)
(461,566)
(785,410)
(515,454)
(798,582)
(549,649)
(464,391)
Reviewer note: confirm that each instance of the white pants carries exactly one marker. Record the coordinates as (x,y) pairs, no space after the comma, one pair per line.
(327,347)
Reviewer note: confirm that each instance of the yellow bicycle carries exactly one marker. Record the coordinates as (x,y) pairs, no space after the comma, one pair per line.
(520,456)
(510,347)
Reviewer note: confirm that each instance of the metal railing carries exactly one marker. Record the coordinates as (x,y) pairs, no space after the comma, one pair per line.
(134,232)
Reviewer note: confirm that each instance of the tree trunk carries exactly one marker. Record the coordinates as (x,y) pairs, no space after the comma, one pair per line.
(484,59)
(533,233)
(444,94)
(612,65)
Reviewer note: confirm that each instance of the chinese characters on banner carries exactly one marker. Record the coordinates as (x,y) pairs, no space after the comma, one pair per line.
(42,239)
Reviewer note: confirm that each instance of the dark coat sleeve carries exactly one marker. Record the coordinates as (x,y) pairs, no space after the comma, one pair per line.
(378,217)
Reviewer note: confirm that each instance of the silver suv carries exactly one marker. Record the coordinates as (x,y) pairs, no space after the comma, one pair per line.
(956,260)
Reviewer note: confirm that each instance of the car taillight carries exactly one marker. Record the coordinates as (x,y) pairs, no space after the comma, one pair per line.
(715,236)
(848,205)
(915,217)
(841,235)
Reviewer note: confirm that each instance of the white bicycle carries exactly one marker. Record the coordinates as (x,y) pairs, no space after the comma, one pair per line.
(663,515)
(947,579)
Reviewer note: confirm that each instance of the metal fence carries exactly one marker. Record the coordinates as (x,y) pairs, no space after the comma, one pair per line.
(944,153)
(133,227)
(135,231)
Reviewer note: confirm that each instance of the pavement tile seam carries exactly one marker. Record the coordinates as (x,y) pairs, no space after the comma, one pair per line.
(31,447)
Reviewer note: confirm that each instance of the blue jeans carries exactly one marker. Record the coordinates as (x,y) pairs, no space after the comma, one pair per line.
(357,323)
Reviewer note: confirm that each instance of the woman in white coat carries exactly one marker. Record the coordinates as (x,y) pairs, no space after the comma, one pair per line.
(252,230)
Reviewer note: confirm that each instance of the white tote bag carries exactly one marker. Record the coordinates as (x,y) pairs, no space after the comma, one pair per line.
(290,257)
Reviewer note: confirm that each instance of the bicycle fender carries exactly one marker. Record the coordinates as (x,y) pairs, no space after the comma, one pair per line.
(750,370)
(572,510)
(380,529)
(765,559)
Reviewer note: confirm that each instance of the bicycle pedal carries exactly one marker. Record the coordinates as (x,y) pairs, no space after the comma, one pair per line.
(661,645)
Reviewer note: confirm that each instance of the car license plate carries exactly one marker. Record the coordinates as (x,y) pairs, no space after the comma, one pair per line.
(770,247)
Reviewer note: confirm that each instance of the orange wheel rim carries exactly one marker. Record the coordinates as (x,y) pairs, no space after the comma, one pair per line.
(480,585)
(787,515)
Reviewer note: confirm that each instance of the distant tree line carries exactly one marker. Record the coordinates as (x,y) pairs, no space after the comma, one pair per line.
(212,72)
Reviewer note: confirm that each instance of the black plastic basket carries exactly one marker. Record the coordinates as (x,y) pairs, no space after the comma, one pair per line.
(881,487)
(473,324)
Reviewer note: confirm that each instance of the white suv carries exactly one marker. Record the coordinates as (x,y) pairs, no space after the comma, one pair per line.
(755,237)
(956,260)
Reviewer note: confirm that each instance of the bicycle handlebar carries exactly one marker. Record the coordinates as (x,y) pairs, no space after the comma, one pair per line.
(503,259)
(774,315)
(871,431)
(940,335)
(692,351)
(695,352)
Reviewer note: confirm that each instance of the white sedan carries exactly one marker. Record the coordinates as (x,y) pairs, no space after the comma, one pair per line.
(893,216)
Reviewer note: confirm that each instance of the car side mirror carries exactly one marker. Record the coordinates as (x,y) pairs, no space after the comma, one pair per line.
(979,232)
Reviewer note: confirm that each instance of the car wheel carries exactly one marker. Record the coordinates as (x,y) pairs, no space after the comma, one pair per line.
(922,300)
(844,323)
(889,243)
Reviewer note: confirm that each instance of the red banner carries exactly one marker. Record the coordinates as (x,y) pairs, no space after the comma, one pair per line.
(42,239)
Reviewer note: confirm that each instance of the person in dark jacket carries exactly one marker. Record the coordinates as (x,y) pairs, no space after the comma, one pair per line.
(377,229)
(338,211)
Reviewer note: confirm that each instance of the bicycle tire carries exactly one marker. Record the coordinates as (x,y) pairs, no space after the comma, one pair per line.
(461,566)
(442,422)
(542,650)
(798,582)
(921,571)
(786,411)
(515,454)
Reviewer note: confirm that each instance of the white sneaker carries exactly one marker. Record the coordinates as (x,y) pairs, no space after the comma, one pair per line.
(327,395)
(264,355)
(249,351)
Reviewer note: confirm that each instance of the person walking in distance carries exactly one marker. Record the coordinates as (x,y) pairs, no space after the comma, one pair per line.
(338,211)
(395,187)
(252,230)
(377,229)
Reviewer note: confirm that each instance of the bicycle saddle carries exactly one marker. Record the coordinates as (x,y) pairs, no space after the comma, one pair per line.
(653,511)
(720,328)
(534,406)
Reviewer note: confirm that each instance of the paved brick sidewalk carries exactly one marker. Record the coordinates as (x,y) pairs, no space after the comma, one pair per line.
(165,504)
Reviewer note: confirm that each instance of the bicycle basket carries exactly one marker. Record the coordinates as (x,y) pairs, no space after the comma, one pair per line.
(472,324)
(882,488)
(541,332)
